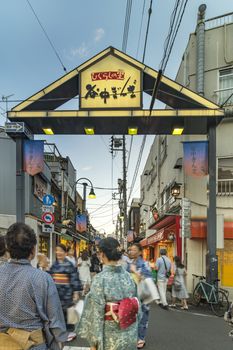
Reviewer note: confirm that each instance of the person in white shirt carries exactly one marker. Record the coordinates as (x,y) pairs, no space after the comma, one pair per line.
(70,256)
(84,264)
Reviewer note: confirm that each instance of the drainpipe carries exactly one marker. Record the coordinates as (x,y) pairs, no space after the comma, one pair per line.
(200,61)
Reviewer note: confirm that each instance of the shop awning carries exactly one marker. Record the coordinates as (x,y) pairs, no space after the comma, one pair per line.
(156,237)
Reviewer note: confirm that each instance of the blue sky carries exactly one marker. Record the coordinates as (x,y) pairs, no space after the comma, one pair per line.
(79,29)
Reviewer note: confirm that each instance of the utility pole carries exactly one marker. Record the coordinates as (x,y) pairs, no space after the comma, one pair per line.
(118,144)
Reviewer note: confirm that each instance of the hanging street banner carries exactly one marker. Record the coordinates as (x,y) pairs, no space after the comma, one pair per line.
(110,83)
(81,223)
(196,158)
(33,157)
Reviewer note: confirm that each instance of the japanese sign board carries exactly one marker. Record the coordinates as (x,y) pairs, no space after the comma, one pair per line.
(186,218)
(110,83)
(47,228)
(48,208)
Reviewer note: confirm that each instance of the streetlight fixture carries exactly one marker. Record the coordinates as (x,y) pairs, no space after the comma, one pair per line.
(91,195)
(175,190)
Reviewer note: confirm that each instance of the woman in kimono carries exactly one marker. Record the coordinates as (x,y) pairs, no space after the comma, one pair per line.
(67,282)
(110,317)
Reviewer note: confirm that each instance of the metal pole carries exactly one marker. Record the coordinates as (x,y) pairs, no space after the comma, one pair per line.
(84,196)
(20,181)
(211,258)
(125,189)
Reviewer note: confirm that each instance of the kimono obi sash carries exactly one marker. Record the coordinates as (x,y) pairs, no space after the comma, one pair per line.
(123,312)
(19,339)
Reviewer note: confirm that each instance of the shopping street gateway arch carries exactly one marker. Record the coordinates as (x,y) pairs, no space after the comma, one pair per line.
(109,90)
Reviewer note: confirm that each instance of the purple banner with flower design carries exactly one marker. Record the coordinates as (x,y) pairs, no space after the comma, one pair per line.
(81,223)
(33,157)
(196,158)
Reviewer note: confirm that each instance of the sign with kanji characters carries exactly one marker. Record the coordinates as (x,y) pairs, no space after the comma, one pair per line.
(110,83)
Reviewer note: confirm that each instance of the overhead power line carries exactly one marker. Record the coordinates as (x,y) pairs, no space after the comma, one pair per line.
(126,25)
(144,137)
(47,36)
(175,22)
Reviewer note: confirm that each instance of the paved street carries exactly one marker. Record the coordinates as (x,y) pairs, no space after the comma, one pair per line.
(181,330)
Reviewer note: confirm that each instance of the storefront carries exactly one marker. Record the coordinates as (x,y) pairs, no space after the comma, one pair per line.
(167,235)
(225,255)
(44,244)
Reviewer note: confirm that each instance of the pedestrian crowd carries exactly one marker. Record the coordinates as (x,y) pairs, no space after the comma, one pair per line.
(37,305)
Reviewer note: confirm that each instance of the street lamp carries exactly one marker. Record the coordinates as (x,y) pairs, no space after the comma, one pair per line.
(175,190)
(91,194)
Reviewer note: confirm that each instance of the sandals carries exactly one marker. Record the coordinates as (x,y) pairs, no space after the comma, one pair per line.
(141,344)
(184,308)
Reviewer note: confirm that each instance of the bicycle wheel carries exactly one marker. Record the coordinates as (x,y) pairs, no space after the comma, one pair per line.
(222,305)
(197,295)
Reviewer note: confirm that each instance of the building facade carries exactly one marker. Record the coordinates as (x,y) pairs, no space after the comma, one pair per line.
(164,165)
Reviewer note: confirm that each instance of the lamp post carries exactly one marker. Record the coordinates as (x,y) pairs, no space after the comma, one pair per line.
(91,194)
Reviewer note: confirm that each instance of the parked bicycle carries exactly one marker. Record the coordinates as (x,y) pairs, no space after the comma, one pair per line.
(216,297)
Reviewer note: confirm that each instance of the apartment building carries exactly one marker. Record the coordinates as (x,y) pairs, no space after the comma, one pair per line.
(161,222)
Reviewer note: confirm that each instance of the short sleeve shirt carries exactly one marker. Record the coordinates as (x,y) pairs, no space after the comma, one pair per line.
(161,275)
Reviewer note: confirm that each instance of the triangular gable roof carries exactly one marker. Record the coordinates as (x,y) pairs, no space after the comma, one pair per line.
(65,88)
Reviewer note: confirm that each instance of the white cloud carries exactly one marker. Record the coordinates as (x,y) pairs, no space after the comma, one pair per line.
(87,168)
(81,51)
(99,34)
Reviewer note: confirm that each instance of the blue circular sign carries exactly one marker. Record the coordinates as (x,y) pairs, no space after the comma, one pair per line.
(48,199)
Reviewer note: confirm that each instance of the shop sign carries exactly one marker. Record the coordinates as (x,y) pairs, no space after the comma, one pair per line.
(40,188)
(186,218)
(110,83)
(158,236)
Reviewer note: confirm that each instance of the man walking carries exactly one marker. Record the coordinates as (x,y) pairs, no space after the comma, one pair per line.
(163,267)
(31,316)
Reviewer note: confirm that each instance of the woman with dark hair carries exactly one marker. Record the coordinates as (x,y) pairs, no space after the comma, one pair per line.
(84,265)
(29,302)
(140,269)
(109,320)
(179,290)
(67,282)
(4,256)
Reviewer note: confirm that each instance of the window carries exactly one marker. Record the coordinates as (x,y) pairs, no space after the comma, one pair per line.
(225,86)
(163,148)
(154,170)
(225,176)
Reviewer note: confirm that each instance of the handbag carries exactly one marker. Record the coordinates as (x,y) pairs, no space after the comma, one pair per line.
(74,312)
(147,291)
(72,315)
(168,272)
(177,285)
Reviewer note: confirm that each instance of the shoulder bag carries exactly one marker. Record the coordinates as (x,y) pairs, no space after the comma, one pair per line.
(168,272)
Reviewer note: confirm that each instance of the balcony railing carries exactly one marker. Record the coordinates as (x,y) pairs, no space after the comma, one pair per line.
(219,21)
(223,95)
(225,187)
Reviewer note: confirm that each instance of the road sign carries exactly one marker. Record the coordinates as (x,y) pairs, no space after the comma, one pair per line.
(48,199)
(14,127)
(48,218)
(48,208)
(47,228)
(18,128)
